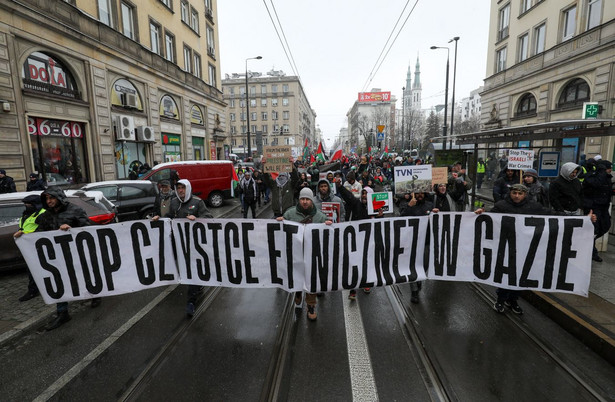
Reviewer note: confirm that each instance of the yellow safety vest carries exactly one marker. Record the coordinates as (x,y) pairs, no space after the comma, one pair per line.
(480,168)
(29,225)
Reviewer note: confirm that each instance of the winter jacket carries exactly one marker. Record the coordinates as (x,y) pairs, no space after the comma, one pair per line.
(7,185)
(538,193)
(525,207)
(296,214)
(358,208)
(421,208)
(191,205)
(249,190)
(282,191)
(36,185)
(355,188)
(162,204)
(65,213)
(597,189)
(565,194)
(502,185)
(444,202)
(330,197)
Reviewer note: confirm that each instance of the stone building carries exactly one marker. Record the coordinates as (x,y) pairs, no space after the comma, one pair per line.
(94,88)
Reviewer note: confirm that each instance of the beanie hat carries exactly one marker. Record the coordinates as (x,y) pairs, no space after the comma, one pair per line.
(605,164)
(33,175)
(530,172)
(519,187)
(2,171)
(306,193)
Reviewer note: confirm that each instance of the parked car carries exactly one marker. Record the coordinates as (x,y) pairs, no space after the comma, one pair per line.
(134,199)
(210,180)
(99,210)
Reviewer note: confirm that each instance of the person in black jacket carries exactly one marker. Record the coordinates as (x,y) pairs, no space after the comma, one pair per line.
(35,183)
(565,193)
(597,193)
(7,184)
(516,202)
(61,214)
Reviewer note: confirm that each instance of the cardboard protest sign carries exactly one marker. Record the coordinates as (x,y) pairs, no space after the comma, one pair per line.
(332,210)
(278,159)
(380,201)
(439,175)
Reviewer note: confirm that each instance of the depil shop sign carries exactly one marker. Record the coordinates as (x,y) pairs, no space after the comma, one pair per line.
(45,70)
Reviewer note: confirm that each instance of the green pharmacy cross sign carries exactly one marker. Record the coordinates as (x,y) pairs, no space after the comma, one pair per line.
(590,110)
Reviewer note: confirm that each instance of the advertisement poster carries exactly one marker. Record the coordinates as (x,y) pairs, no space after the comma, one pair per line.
(412,179)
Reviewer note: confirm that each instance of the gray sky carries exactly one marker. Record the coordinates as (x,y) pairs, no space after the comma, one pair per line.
(335,45)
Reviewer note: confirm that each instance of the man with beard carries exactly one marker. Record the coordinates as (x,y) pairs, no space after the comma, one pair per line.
(325,194)
(305,212)
(162,204)
(249,191)
(27,224)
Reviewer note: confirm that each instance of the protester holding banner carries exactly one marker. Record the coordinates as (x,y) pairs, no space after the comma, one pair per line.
(442,199)
(502,184)
(306,212)
(61,214)
(162,203)
(186,205)
(537,192)
(566,192)
(27,224)
(325,194)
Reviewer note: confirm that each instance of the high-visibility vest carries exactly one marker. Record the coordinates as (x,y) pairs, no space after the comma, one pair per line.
(29,225)
(480,168)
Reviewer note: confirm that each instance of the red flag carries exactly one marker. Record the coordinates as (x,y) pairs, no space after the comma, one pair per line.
(338,154)
(386,149)
(320,154)
(312,159)
(235,177)
(369,150)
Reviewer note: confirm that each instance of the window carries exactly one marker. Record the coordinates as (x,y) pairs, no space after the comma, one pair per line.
(187,59)
(265,140)
(154,35)
(184,11)
(276,128)
(253,116)
(285,88)
(242,103)
(128,27)
(194,20)
(208,9)
(243,116)
(232,116)
(286,115)
(264,128)
(263,102)
(232,103)
(169,46)
(212,75)
(104,12)
(242,91)
(569,23)
(264,116)
(274,102)
(274,115)
(527,105)
(594,13)
(252,91)
(263,89)
(252,102)
(243,131)
(168,3)
(523,47)
(574,93)
(211,43)
(286,128)
(500,60)
(197,66)
(539,38)
(253,130)
(233,131)
(504,22)
(525,5)
(274,88)
(284,101)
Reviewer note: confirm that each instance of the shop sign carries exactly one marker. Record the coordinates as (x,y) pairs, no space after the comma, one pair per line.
(212,150)
(170,139)
(196,115)
(55,128)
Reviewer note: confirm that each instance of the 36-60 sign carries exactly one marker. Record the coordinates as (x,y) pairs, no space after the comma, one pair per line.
(55,128)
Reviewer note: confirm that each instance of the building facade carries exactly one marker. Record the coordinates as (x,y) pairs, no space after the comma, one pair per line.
(470,107)
(95,88)
(280,113)
(372,109)
(545,59)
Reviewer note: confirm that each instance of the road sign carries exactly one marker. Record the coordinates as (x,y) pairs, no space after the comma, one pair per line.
(590,110)
(549,164)
(380,128)
(380,136)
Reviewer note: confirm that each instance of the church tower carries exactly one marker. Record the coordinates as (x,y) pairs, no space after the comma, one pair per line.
(417,88)
(407,101)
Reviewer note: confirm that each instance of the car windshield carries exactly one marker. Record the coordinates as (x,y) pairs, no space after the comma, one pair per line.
(11,213)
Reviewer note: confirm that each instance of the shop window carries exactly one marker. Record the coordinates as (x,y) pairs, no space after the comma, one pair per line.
(574,93)
(43,73)
(168,108)
(526,106)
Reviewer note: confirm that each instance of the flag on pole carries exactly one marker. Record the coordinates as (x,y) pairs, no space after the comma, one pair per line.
(306,151)
(386,152)
(320,155)
(312,159)
(337,154)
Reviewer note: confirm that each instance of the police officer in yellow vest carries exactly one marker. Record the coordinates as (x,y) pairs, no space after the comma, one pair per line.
(27,224)
(480,172)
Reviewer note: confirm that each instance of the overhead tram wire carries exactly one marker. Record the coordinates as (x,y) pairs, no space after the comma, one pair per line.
(275,11)
(386,43)
(371,77)
(282,42)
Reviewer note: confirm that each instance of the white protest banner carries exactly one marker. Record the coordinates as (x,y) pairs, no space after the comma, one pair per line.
(95,261)
(520,159)
(368,253)
(240,253)
(380,201)
(412,179)
(543,253)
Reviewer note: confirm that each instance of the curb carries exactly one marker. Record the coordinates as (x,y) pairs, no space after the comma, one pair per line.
(577,324)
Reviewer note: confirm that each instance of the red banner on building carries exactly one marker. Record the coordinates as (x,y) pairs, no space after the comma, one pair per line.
(374,96)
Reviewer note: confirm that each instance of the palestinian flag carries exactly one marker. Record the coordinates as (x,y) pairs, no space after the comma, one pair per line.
(385,153)
(306,151)
(320,154)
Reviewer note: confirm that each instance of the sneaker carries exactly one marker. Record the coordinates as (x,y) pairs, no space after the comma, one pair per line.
(367,290)
(353,295)
(514,306)
(499,307)
(311,313)
(190,309)
(597,258)
(60,320)
(414,297)
(298,301)
(28,296)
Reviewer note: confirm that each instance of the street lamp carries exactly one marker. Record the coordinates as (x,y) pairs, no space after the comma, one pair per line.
(445,93)
(456,38)
(248,105)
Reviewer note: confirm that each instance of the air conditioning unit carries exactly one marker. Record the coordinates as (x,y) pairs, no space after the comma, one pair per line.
(125,128)
(145,134)
(129,100)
